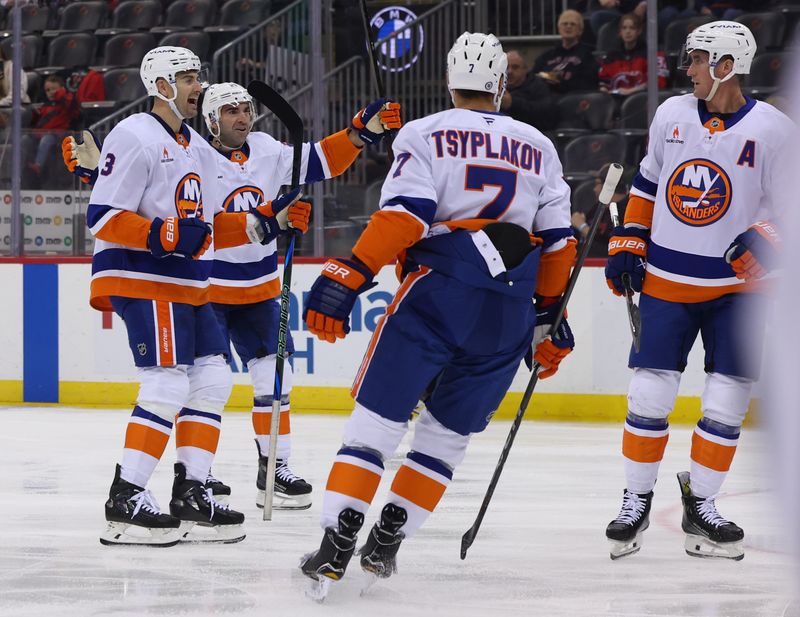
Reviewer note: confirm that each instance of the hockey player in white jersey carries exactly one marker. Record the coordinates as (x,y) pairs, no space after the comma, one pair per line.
(700,230)
(151,265)
(244,280)
(467,189)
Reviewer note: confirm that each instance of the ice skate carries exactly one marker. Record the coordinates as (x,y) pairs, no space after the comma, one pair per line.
(625,531)
(220,490)
(379,553)
(134,517)
(203,518)
(329,562)
(291,491)
(707,533)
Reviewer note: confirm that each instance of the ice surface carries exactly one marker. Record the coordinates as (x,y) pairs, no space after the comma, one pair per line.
(541,550)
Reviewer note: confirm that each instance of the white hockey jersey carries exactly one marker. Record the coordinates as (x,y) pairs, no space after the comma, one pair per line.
(147,169)
(707,179)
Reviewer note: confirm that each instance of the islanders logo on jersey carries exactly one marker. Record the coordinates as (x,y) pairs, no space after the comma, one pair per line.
(243,199)
(698,192)
(189,197)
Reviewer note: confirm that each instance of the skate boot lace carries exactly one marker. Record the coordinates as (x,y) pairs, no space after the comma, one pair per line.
(211,479)
(208,496)
(708,512)
(632,508)
(145,501)
(285,474)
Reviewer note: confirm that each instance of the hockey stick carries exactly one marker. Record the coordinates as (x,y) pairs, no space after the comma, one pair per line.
(634,316)
(377,79)
(612,178)
(294,124)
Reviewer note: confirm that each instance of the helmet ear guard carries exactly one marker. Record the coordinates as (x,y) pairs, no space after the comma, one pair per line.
(477,62)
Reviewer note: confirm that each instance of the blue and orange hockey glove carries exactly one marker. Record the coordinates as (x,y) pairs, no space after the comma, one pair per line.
(82,158)
(265,222)
(377,120)
(627,254)
(175,236)
(548,350)
(755,252)
(332,296)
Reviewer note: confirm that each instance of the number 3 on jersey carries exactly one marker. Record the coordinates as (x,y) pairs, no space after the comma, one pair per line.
(478,177)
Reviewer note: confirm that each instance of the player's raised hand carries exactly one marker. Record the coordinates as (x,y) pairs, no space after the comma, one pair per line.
(549,350)
(175,236)
(377,120)
(265,222)
(755,252)
(82,158)
(627,254)
(333,295)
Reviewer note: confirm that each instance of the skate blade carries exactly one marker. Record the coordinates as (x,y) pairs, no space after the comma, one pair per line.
(625,549)
(125,534)
(197,533)
(700,546)
(370,579)
(281,501)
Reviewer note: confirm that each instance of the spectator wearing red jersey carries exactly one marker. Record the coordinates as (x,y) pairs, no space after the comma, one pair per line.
(624,70)
(53,118)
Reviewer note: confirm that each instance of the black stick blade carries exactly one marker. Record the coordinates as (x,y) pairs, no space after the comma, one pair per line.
(466,541)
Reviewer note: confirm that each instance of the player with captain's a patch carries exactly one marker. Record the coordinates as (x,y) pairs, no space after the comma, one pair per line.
(701,228)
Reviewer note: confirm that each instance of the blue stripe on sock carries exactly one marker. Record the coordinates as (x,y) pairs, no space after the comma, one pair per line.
(203,414)
(718,428)
(434,464)
(364,455)
(646,424)
(146,415)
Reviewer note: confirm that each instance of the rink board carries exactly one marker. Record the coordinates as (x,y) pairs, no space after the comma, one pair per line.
(74,355)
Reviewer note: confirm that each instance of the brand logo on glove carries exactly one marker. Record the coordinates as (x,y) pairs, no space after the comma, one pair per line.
(698,192)
(170,229)
(336,270)
(626,244)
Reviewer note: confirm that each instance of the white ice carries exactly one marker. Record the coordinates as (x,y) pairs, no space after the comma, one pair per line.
(541,550)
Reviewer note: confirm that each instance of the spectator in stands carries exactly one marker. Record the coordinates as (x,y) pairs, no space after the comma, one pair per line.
(52,119)
(624,70)
(727,10)
(610,10)
(570,66)
(527,97)
(580,224)
(6,82)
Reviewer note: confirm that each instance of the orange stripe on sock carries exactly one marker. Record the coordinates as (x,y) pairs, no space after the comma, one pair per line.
(712,455)
(197,435)
(145,439)
(418,488)
(353,481)
(643,449)
(262,420)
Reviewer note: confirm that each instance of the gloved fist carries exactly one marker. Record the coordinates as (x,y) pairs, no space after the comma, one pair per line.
(755,252)
(548,351)
(82,158)
(377,120)
(176,236)
(333,295)
(265,222)
(627,254)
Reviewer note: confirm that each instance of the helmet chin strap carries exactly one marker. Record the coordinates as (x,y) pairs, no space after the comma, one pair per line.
(171,102)
(717,81)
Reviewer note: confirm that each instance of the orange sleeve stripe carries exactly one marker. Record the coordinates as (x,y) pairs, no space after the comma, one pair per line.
(229,229)
(353,481)
(640,211)
(196,435)
(126,228)
(554,270)
(643,449)
(387,234)
(418,488)
(263,419)
(712,455)
(339,152)
(145,439)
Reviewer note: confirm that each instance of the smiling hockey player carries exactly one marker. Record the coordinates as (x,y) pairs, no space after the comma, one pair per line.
(699,229)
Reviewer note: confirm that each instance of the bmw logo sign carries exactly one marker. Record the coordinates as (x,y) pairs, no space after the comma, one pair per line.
(402,49)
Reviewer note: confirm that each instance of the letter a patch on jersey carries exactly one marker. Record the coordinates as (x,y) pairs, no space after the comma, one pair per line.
(698,192)
(748,154)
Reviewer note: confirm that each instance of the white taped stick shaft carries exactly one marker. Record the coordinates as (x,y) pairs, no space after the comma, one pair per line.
(614,212)
(611,181)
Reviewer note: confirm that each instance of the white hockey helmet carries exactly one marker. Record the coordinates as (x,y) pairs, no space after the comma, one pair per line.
(165,63)
(721,39)
(477,62)
(219,95)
